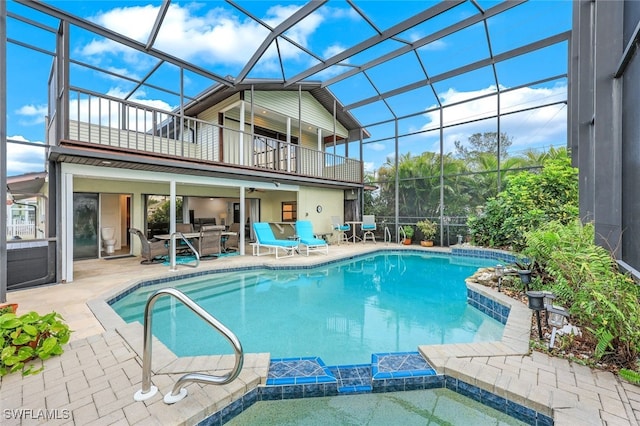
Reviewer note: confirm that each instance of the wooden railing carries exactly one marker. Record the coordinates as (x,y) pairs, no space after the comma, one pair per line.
(108,121)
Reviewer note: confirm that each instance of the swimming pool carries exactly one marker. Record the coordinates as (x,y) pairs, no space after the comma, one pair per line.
(341,312)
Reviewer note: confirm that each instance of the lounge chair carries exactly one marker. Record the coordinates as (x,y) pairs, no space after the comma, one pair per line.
(341,228)
(153,251)
(368,227)
(266,239)
(308,240)
(209,240)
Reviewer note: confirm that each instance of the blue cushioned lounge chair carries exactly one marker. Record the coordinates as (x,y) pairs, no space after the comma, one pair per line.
(266,239)
(308,240)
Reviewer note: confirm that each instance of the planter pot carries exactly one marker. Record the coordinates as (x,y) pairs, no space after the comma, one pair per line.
(407,241)
(427,243)
(13,306)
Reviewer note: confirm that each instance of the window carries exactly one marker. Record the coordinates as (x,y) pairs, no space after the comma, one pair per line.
(289,211)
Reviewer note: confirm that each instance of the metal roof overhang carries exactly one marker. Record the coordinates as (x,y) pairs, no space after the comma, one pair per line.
(103,158)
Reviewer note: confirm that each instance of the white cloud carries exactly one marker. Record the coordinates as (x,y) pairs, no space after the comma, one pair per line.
(35,114)
(369,166)
(215,36)
(23,158)
(376,146)
(538,127)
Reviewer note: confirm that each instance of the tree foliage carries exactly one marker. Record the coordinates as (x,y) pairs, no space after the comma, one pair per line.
(483,143)
(529,200)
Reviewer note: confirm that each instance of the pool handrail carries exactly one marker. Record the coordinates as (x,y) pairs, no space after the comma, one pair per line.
(178,392)
(172,251)
(401,234)
(387,235)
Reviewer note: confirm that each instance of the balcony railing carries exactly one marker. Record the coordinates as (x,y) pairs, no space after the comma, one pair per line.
(104,120)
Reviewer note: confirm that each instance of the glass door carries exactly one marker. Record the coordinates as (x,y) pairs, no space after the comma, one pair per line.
(85,226)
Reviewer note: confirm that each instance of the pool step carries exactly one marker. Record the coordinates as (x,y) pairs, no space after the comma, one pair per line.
(397,370)
(353,379)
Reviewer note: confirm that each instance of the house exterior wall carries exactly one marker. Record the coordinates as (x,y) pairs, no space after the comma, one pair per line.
(605,123)
(287,103)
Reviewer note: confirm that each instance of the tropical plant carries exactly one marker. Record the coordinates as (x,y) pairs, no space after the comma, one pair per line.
(529,200)
(408,231)
(585,278)
(427,228)
(30,337)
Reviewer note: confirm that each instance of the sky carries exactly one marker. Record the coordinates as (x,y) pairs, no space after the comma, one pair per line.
(219,38)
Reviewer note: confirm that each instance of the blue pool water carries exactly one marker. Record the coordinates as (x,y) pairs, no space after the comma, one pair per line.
(342,312)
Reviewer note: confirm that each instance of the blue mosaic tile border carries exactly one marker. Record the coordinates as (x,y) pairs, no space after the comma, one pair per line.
(486,305)
(273,393)
(513,409)
(484,253)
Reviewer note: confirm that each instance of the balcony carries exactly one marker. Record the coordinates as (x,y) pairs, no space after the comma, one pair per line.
(141,129)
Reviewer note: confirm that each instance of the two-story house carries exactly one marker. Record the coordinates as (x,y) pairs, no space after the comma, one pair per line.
(240,154)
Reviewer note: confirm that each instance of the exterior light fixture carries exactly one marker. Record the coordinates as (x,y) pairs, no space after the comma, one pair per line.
(499,272)
(525,276)
(556,317)
(536,303)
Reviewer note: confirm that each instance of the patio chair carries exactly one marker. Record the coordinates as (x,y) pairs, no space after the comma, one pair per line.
(185,228)
(232,242)
(266,239)
(368,227)
(308,239)
(153,251)
(209,240)
(341,228)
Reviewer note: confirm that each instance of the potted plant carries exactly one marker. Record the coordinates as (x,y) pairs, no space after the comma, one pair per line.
(29,337)
(408,233)
(7,307)
(428,230)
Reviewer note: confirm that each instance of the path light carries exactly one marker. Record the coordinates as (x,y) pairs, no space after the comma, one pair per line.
(525,276)
(499,274)
(536,303)
(556,317)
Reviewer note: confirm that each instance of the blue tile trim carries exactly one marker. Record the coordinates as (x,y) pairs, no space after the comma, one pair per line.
(503,256)
(486,305)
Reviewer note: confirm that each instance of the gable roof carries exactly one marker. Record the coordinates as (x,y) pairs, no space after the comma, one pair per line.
(323,95)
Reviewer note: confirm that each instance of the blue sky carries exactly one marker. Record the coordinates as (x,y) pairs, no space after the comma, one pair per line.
(218,37)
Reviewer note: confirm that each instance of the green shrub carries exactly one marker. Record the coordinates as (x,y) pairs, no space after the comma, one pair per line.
(585,278)
(529,200)
(29,337)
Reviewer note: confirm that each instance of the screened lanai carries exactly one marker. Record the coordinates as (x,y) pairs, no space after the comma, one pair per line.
(445,98)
